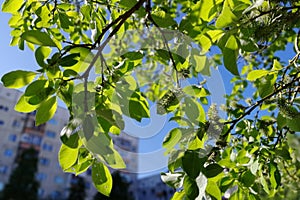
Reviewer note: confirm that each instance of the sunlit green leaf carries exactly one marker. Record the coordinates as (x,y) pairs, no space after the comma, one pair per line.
(275,177)
(226,17)
(46,111)
(67,156)
(23,106)
(213,189)
(196,91)
(172,139)
(38,37)
(101,178)
(256,74)
(41,54)
(17,79)
(163,19)
(11,6)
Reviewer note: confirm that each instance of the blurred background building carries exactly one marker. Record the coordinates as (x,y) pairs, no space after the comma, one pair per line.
(18,132)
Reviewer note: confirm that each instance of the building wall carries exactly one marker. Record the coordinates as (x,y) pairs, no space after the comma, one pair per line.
(127,146)
(152,188)
(17,131)
(11,124)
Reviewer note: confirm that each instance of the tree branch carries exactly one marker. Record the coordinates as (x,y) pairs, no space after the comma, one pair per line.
(165,41)
(258,103)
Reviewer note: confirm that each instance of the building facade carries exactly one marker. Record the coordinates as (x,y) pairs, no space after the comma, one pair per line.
(152,188)
(18,132)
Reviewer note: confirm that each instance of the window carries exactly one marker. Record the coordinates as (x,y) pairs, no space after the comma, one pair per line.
(31,139)
(50,134)
(47,147)
(58,180)
(16,124)
(1,122)
(44,161)
(41,176)
(5,108)
(12,137)
(3,169)
(8,152)
(36,140)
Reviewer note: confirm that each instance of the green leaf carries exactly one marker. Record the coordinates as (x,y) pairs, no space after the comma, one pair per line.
(163,19)
(213,190)
(226,17)
(67,157)
(254,167)
(11,6)
(82,167)
(194,111)
(41,54)
(134,55)
(46,111)
(38,37)
(276,65)
(64,20)
(88,126)
(230,53)
(178,195)
(248,178)
(38,91)
(275,177)
(172,139)
(204,9)
(69,60)
(212,170)
(283,152)
(266,85)
(175,158)
(138,107)
(101,178)
(281,121)
(190,188)
(17,79)
(293,124)
(102,147)
(86,12)
(264,184)
(71,141)
(196,91)
(36,86)
(256,74)
(192,164)
(23,106)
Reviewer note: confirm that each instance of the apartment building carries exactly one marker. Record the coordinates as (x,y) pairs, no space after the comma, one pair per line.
(18,132)
(152,188)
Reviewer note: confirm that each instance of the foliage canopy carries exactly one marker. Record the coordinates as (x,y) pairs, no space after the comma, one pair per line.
(110,59)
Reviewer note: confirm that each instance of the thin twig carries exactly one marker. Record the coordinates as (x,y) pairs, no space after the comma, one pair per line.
(165,41)
(258,103)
